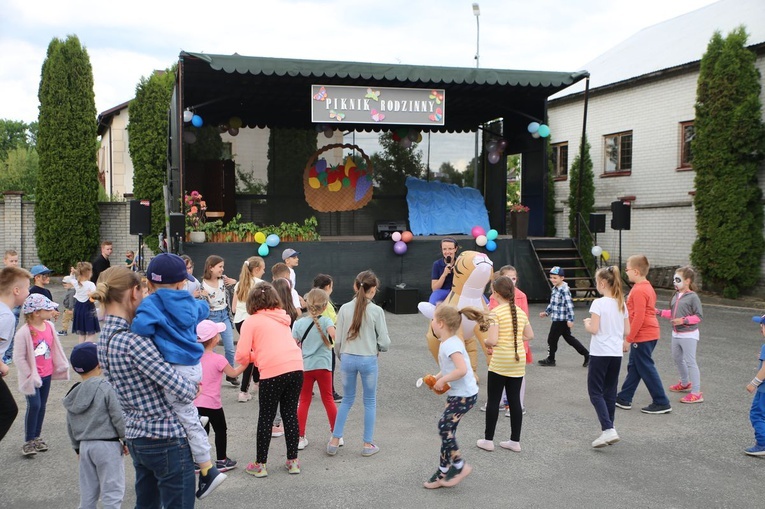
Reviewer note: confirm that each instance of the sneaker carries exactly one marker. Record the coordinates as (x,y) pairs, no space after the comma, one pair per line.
(680,387)
(196,468)
(244,397)
(369,450)
(435,480)
(302,443)
(62,333)
(486,445)
(203,420)
(507,411)
(624,405)
(225,465)
(338,398)
(332,449)
(257,469)
(524,411)
(234,381)
(653,408)
(692,397)
(293,466)
(207,483)
(547,362)
(586,361)
(454,475)
(511,445)
(277,431)
(608,437)
(756,450)
(40,445)
(28,449)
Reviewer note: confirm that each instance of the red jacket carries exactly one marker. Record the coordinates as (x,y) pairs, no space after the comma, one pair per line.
(641,306)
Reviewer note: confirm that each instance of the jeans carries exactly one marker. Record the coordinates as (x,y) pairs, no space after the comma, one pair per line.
(227,336)
(602,383)
(36,404)
(350,366)
(641,367)
(757,417)
(164,473)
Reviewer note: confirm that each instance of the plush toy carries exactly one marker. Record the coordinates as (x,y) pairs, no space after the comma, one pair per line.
(472,272)
(430,381)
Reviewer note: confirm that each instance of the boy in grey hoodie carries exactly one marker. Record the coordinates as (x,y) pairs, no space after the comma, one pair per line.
(96,428)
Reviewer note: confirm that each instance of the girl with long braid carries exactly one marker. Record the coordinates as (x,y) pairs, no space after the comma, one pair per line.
(315,334)
(508,364)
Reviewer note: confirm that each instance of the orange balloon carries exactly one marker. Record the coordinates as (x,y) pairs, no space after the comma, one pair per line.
(407,236)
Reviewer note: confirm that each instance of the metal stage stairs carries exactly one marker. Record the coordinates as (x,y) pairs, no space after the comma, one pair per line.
(565,254)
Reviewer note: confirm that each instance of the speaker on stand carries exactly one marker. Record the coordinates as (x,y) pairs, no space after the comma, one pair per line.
(140,224)
(177,229)
(620,220)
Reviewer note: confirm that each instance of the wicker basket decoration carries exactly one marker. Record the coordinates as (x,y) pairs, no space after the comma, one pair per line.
(337,188)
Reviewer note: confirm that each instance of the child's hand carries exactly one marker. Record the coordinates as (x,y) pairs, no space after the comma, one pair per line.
(439,385)
(570,325)
(489,350)
(626,346)
(542,314)
(587,322)
(677,321)
(125,450)
(751,388)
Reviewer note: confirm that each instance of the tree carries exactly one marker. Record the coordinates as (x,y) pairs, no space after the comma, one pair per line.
(14,134)
(66,212)
(727,149)
(148,127)
(581,200)
(288,152)
(451,175)
(550,228)
(18,171)
(394,164)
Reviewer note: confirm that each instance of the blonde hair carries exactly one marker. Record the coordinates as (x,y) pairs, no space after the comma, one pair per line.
(114,283)
(639,263)
(613,278)
(317,300)
(81,269)
(505,288)
(687,272)
(10,275)
(245,276)
(452,317)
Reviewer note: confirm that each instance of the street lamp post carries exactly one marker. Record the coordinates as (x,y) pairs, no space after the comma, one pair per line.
(477,14)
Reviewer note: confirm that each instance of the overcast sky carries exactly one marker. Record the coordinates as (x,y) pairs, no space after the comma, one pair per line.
(128,40)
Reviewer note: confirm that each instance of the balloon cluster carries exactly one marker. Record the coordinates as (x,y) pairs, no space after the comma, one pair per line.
(326,129)
(495,148)
(599,252)
(189,116)
(538,130)
(400,241)
(406,136)
(231,127)
(483,238)
(266,243)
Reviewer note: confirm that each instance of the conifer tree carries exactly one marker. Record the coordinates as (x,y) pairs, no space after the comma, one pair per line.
(582,199)
(550,228)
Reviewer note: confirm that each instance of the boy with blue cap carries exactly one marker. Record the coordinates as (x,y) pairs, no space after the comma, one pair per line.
(757,413)
(561,313)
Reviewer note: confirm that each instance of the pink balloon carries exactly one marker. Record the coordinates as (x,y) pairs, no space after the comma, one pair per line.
(396,236)
(493,157)
(477,230)
(407,236)
(399,248)
(502,145)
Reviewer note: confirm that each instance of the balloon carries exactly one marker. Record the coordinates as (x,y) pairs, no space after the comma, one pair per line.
(272,240)
(399,248)
(413,134)
(405,142)
(189,137)
(502,145)
(481,240)
(233,131)
(596,251)
(535,135)
(544,131)
(493,157)
(419,137)
(533,127)
(197,121)
(329,132)
(263,250)
(396,236)
(491,146)
(407,236)
(491,246)
(223,128)
(477,230)
(188,115)
(492,234)
(260,237)
(606,255)
(235,122)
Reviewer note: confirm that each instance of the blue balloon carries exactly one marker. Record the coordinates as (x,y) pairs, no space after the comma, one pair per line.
(491,245)
(263,250)
(197,121)
(533,127)
(400,247)
(272,240)
(544,131)
(492,234)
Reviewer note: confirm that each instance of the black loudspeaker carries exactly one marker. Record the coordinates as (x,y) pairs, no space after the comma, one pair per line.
(621,215)
(177,224)
(140,217)
(402,301)
(384,229)
(597,223)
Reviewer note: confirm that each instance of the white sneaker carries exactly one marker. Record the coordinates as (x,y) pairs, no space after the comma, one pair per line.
(302,443)
(204,420)
(486,445)
(244,397)
(509,444)
(608,437)
(483,408)
(507,411)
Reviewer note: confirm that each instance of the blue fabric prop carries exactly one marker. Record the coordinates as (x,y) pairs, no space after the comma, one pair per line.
(436,208)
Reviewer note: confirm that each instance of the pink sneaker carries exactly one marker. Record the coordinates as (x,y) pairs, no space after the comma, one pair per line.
(680,387)
(693,397)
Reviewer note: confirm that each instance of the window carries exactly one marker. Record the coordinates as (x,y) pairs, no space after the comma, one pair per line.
(618,153)
(687,133)
(227,151)
(560,160)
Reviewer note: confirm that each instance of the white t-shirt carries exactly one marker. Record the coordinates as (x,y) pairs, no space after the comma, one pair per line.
(240,313)
(610,336)
(215,296)
(82,290)
(293,279)
(7,328)
(465,386)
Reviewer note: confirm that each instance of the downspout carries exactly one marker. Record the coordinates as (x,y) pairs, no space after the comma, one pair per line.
(111,165)
(581,156)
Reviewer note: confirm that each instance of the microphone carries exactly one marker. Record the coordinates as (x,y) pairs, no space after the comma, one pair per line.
(448,261)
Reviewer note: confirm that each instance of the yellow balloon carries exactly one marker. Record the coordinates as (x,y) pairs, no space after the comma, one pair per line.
(606,255)
(260,237)
(235,122)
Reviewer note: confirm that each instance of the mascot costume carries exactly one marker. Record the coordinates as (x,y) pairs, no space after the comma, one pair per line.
(472,272)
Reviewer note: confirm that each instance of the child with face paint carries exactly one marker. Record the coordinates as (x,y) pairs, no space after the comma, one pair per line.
(685,315)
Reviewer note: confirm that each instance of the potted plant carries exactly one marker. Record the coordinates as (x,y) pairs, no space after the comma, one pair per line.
(519,220)
(195,217)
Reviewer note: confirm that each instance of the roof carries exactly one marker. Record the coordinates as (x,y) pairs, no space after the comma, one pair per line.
(104,118)
(275,92)
(672,43)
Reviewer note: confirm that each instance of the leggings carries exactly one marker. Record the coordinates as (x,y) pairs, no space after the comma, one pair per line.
(456,408)
(250,372)
(324,378)
(218,423)
(283,391)
(512,385)
(35,416)
(684,355)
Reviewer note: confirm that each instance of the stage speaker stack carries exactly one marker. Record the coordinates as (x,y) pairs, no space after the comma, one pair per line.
(620,219)
(597,223)
(384,229)
(140,217)
(402,301)
(177,224)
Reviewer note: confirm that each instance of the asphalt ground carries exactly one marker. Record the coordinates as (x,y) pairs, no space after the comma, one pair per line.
(690,458)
